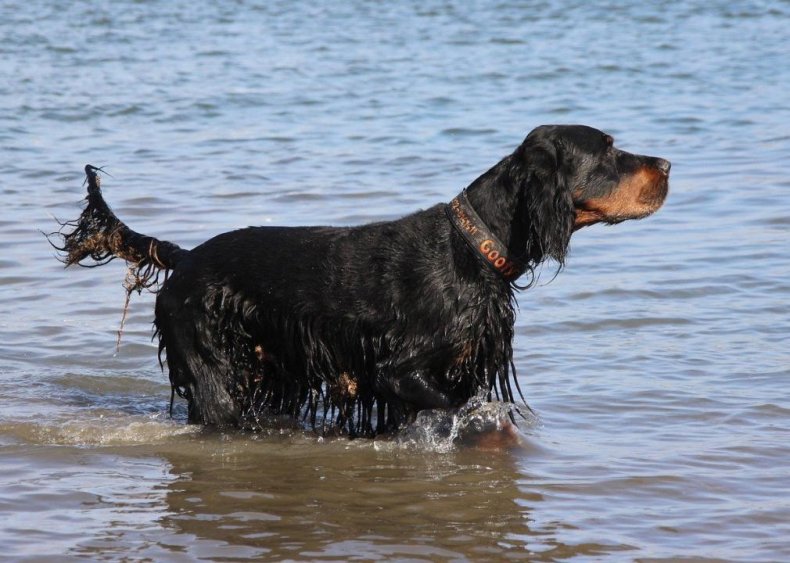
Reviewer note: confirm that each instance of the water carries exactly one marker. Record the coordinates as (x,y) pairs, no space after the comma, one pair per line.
(657,361)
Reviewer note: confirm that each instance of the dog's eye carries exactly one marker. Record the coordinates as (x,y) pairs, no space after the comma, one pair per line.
(608,140)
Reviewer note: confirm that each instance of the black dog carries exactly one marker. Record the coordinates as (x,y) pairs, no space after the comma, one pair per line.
(364,326)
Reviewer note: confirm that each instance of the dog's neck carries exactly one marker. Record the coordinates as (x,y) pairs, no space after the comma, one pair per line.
(497,198)
(482,240)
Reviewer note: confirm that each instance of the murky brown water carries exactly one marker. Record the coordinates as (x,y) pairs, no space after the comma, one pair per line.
(281,497)
(657,361)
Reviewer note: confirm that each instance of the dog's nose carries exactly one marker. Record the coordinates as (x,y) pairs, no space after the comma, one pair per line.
(663,165)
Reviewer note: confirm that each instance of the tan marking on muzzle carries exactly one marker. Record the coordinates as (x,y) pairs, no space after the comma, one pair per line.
(636,196)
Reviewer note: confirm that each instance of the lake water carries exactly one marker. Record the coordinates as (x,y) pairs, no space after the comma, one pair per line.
(657,361)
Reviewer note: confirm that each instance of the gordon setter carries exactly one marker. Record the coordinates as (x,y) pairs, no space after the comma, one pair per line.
(359,328)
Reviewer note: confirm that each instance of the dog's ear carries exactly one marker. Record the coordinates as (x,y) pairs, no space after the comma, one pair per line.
(546,201)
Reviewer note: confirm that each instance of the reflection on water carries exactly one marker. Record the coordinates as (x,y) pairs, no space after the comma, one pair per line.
(291,495)
(305,501)
(165,487)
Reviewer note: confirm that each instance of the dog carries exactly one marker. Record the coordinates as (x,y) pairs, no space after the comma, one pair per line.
(356,329)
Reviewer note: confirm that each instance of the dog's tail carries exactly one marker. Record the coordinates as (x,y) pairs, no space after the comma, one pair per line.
(98,236)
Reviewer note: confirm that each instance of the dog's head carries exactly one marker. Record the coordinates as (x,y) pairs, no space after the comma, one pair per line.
(572,176)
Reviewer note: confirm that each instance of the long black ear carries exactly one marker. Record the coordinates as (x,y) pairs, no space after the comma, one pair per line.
(546,201)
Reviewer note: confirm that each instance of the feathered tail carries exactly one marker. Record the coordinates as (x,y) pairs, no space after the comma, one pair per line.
(99,235)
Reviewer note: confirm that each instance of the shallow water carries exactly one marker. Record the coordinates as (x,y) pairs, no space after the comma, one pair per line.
(656,361)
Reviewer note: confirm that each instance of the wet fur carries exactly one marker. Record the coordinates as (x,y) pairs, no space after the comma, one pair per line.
(355,329)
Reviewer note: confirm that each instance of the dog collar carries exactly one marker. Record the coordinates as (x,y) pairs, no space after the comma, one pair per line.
(480,238)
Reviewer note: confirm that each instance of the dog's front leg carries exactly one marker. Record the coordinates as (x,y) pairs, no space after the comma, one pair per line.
(417,390)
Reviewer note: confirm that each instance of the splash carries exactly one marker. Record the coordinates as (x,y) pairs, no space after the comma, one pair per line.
(478,423)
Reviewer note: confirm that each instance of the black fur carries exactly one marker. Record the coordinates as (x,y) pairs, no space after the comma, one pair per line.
(359,328)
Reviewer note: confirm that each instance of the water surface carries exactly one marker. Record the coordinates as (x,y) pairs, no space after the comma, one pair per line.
(656,361)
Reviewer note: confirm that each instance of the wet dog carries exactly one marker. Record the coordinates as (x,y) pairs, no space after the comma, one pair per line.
(360,328)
